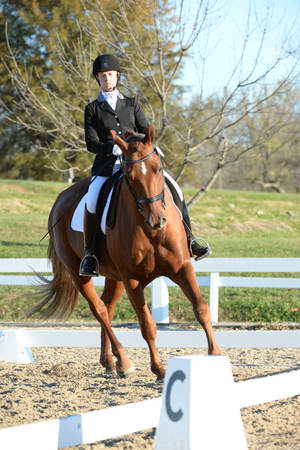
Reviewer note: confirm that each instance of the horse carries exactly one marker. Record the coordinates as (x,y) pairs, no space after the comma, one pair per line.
(147,241)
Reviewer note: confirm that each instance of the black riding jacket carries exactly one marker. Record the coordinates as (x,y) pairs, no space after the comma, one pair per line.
(99,119)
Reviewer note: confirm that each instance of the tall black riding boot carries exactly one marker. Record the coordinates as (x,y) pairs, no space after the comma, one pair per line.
(89,266)
(197,250)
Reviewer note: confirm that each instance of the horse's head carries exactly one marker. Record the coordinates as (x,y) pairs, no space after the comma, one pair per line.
(144,175)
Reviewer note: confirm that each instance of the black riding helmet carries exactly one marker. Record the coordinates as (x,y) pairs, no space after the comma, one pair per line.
(106,62)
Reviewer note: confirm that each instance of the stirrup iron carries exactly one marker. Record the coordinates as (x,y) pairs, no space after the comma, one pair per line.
(199,248)
(89,266)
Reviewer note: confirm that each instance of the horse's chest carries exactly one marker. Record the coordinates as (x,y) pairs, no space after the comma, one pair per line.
(143,260)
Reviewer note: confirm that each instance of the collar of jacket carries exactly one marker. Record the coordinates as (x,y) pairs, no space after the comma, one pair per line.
(115,93)
(104,106)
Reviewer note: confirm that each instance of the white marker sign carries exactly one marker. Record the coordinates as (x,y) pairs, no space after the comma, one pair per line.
(200,409)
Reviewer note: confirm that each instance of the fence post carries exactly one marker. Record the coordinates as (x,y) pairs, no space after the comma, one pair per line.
(214,296)
(160,300)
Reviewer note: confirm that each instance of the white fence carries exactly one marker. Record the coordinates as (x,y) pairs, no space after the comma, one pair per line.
(16,344)
(159,287)
(109,423)
(117,421)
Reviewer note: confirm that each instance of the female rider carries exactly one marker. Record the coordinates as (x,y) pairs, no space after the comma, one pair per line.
(113,111)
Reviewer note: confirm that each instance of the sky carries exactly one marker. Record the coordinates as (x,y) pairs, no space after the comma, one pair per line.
(221,45)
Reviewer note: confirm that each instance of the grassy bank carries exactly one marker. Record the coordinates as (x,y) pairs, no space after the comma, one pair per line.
(236,224)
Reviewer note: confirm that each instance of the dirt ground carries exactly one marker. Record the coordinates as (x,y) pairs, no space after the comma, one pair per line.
(70,381)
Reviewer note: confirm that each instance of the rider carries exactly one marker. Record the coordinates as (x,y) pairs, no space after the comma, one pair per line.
(113,111)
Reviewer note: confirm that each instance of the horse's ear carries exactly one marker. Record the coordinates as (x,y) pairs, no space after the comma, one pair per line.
(119,141)
(150,134)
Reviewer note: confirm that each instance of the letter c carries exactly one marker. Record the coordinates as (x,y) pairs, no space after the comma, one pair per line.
(174,415)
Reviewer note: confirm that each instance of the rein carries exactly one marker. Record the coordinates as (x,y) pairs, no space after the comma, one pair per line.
(141,201)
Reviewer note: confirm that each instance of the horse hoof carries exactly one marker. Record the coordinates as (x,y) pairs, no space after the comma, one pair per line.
(215,352)
(110,371)
(126,373)
(159,380)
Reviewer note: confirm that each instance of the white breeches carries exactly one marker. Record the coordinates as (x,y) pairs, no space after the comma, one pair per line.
(98,181)
(95,188)
(93,193)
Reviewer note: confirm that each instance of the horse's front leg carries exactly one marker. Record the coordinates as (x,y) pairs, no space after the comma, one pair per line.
(99,309)
(186,279)
(135,293)
(113,290)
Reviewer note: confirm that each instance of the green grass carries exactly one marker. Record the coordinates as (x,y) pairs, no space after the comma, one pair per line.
(24,209)
(240,224)
(236,224)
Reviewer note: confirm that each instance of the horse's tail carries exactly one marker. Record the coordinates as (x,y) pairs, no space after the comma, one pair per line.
(59,295)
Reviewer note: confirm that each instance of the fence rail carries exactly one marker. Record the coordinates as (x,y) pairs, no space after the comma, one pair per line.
(220,407)
(159,287)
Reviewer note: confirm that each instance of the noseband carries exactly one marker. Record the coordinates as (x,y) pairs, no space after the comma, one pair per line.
(141,201)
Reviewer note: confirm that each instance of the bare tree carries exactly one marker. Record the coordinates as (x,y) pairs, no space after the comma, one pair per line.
(41,107)
(275,163)
(153,38)
(248,94)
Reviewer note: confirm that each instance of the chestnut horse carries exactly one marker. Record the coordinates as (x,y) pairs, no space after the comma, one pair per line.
(147,241)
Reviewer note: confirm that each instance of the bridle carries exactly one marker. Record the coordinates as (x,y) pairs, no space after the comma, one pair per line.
(141,201)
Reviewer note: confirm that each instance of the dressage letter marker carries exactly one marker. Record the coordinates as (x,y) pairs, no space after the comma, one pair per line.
(174,416)
(200,409)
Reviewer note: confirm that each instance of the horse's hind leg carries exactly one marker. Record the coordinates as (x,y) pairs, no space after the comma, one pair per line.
(187,280)
(100,311)
(113,290)
(147,324)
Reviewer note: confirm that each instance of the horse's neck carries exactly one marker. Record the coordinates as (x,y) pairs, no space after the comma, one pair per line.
(127,208)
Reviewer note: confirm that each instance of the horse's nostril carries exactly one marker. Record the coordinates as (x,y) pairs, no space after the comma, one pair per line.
(160,223)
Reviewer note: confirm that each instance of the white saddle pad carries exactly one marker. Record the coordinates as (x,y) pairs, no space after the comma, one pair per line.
(77,219)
